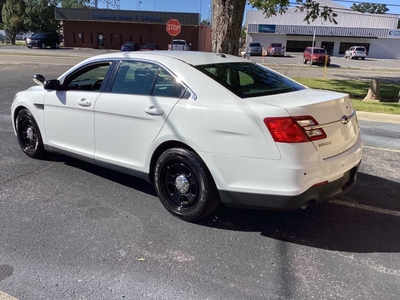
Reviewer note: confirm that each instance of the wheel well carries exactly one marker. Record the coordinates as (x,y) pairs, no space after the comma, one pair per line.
(163,147)
(16,112)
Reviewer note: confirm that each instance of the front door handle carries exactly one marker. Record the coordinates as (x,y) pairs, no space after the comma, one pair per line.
(84,102)
(154,111)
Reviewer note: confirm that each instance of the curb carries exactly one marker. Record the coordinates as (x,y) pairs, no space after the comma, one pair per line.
(378,117)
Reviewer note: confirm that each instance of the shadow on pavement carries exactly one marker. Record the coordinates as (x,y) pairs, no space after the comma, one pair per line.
(329,225)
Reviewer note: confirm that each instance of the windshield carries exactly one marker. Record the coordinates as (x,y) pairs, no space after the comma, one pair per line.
(276,45)
(249,79)
(38,36)
(254,45)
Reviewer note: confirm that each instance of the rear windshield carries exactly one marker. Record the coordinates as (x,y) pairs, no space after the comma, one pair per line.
(179,42)
(276,45)
(360,49)
(319,51)
(249,79)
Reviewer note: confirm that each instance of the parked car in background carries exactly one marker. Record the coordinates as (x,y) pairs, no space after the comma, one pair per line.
(43,40)
(179,45)
(254,49)
(356,52)
(130,46)
(316,55)
(150,47)
(275,49)
(204,128)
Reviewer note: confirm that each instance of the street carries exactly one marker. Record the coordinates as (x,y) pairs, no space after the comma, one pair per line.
(71,230)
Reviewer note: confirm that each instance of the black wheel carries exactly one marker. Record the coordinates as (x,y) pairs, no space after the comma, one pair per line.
(304,60)
(43,45)
(28,134)
(184,185)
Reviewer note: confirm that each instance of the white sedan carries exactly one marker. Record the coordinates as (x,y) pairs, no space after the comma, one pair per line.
(204,128)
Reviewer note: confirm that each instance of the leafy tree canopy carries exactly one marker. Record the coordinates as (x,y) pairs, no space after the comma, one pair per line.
(13,17)
(370,8)
(39,16)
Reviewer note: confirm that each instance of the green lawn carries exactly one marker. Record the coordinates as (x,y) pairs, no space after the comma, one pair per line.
(357,91)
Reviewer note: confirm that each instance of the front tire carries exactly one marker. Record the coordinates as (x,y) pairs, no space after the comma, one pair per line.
(28,134)
(304,60)
(43,45)
(184,184)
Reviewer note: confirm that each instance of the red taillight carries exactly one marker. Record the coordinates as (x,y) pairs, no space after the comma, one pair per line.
(294,130)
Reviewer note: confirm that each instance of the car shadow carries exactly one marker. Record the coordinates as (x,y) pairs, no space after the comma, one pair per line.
(359,221)
(364,220)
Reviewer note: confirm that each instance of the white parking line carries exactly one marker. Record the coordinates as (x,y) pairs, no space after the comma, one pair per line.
(4,296)
(367,207)
(383,149)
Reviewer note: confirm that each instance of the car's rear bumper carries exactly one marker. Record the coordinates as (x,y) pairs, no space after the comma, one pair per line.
(313,195)
(291,182)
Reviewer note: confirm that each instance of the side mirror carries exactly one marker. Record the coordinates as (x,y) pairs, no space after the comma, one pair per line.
(52,85)
(38,79)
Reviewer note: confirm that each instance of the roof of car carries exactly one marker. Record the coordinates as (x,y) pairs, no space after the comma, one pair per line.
(194,58)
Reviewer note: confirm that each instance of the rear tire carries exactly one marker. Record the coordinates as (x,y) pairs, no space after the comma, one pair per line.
(184,184)
(28,134)
(304,60)
(43,45)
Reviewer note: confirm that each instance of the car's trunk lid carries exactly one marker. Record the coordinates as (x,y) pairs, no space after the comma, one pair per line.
(333,112)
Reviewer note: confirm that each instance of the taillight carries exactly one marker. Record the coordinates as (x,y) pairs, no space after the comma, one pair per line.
(294,130)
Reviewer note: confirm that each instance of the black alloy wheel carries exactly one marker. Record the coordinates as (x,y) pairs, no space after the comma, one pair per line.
(184,184)
(28,134)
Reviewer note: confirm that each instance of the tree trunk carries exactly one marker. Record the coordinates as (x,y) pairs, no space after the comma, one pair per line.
(227,18)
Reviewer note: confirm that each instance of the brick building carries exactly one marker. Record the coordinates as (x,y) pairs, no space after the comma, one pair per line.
(109,29)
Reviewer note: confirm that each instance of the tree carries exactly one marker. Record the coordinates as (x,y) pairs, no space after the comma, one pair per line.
(228,15)
(1,8)
(13,18)
(370,8)
(39,16)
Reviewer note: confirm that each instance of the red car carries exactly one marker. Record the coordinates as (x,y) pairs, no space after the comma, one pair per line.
(316,55)
(147,47)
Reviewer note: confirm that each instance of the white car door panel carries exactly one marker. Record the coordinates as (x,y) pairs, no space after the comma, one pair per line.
(129,118)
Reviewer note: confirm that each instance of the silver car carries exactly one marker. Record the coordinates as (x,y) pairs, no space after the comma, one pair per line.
(356,52)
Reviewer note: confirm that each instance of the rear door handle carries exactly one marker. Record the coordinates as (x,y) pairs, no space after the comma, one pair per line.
(154,111)
(84,102)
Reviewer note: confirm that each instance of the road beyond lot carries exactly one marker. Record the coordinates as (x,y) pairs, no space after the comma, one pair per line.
(71,230)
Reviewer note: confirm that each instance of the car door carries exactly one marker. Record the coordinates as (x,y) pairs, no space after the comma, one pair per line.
(131,114)
(69,111)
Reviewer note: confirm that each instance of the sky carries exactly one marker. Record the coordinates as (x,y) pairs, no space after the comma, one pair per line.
(204,6)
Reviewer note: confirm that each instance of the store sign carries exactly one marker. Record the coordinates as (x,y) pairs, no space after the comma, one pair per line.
(141,18)
(394,34)
(264,28)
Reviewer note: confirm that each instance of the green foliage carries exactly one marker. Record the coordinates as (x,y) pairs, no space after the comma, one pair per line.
(370,8)
(312,8)
(39,16)
(13,17)
(1,18)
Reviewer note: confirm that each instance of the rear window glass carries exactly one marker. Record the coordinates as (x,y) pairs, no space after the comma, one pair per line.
(276,45)
(360,49)
(249,80)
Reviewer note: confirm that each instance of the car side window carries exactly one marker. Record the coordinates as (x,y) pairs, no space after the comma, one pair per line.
(89,78)
(146,78)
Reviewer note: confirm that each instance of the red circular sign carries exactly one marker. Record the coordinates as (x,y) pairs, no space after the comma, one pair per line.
(173,27)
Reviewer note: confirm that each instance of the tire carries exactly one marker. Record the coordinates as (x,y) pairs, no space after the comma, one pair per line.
(363,58)
(304,60)
(28,134)
(56,46)
(43,45)
(184,184)
(30,47)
